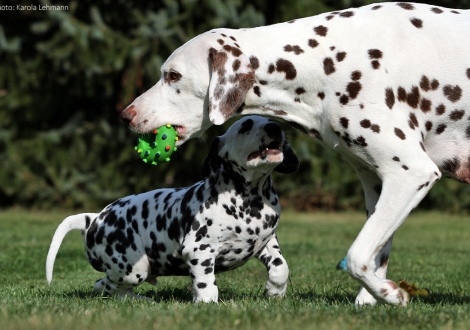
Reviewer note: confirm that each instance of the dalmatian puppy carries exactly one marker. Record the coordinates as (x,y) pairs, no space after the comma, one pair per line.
(386,85)
(216,225)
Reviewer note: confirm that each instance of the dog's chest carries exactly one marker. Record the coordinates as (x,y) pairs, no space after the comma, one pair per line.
(236,230)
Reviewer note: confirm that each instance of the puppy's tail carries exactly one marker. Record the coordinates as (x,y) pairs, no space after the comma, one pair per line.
(74,222)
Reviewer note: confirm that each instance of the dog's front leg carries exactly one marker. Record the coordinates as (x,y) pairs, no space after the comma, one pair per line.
(372,185)
(202,273)
(278,271)
(401,192)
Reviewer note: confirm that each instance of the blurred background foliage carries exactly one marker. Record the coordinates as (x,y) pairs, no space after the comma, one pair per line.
(66,75)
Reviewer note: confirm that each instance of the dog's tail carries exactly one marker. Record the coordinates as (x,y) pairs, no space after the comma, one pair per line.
(74,222)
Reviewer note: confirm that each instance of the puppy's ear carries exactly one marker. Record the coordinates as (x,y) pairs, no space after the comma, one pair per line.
(212,161)
(290,164)
(232,77)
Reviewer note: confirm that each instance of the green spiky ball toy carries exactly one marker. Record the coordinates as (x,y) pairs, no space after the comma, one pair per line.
(157,147)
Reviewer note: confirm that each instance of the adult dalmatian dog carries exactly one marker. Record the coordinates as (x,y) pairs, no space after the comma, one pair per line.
(387,85)
(216,225)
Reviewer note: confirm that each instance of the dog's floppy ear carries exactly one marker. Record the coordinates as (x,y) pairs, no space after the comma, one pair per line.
(290,164)
(232,77)
(213,160)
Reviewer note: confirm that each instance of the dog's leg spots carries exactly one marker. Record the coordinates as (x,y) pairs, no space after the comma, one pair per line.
(203,276)
(278,271)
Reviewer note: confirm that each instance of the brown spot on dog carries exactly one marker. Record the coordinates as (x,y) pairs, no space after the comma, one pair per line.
(375,128)
(344,122)
(365,123)
(406,5)
(321,95)
(296,49)
(257,91)
(312,43)
(376,7)
(414,120)
(375,54)
(451,165)
(236,52)
(340,56)
(364,268)
(441,128)
(413,98)
(417,22)
(328,66)
(384,292)
(440,109)
(468,73)
(220,41)
(344,99)
(453,93)
(287,67)
(271,68)
(321,30)
(389,98)
(401,94)
(218,60)
(353,89)
(456,115)
(299,90)
(345,14)
(399,133)
(397,159)
(425,84)
(428,126)
(425,105)
(236,65)
(263,82)
(360,140)
(254,62)
(434,84)
(375,64)
(356,75)
(233,38)
(280,112)
(437,10)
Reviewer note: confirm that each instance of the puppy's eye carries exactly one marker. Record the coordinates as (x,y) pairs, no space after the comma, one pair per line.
(171,76)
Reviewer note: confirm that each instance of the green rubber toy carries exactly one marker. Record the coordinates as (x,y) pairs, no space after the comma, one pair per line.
(157,147)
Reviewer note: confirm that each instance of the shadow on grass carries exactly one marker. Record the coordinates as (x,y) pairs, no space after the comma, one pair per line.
(442,299)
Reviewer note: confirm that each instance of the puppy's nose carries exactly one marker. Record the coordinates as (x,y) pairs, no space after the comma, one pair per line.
(128,114)
(274,131)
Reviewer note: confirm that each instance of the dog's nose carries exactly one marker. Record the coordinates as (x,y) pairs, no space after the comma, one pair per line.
(128,114)
(274,131)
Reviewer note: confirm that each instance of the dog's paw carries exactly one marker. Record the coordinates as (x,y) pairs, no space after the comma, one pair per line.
(364,298)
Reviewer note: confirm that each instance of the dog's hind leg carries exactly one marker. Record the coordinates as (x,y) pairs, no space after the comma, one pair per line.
(121,281)
(278,271)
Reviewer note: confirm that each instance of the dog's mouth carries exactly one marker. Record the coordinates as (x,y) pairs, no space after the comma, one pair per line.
(181,133)
(271,149)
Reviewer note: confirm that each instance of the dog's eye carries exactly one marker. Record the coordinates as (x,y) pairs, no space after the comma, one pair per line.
(171,76)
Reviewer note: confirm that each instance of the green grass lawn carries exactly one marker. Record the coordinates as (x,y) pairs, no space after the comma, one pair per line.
(431,250)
